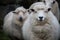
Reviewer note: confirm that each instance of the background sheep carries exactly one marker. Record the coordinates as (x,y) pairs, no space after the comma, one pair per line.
(13,22)
(54,5)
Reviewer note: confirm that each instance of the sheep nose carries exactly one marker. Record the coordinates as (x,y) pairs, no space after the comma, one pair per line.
(20,19)
(41,18)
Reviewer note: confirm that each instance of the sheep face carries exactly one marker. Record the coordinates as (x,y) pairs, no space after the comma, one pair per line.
(20,14)
(40,17)
(49,3)
(40,13)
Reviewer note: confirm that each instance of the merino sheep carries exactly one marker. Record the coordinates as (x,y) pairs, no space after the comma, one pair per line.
(40,25)
(13,23)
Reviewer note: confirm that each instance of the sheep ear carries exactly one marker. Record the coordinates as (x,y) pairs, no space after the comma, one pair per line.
(14,12)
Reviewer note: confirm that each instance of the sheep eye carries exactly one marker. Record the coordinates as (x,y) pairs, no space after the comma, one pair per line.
(44,1)
(29,11)
(32,10)
(53,2)
(46,11)
(49,9)
(15,12)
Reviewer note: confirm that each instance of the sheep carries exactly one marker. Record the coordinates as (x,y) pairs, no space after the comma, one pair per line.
(40,25)
(54,5)
(13,23)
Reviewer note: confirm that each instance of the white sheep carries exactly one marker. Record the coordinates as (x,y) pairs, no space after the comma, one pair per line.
(40,25)
(55,7)
(13,22)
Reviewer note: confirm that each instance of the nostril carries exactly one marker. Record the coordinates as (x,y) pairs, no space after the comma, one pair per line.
(20,19)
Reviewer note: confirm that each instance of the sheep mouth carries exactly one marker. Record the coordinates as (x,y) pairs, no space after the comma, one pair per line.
(40,20)
(21,20)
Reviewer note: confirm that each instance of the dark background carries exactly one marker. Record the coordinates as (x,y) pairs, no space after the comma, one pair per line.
(10,5)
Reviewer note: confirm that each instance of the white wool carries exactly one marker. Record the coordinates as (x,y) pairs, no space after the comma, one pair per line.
(33,29)
(55,7)
(12,26)
(42,5)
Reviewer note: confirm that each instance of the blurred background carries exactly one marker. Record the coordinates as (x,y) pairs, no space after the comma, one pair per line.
(10,5)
